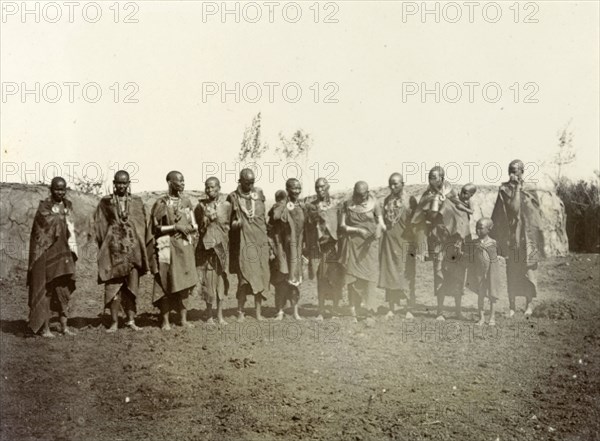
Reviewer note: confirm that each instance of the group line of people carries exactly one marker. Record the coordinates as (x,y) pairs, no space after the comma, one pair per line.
(360,244)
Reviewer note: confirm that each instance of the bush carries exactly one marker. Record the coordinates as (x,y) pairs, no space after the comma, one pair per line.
(582,205)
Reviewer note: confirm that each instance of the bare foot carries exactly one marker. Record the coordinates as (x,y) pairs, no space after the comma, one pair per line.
(131,325)
(187,324)
(47,334)
(279,316)
(319,318)
(481,322)
(260,318)
(67,331)
(389,315)
(222,322)
(297,316)
(511,313)
(240,316)
(409,316)
(210,321)
(440,318)
(492,322)
(528,311)
(165,327)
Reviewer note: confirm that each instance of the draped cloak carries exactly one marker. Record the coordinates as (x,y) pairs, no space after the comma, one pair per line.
(519,237)
(173,261)
(321,238)
(286,231)
(212,251)
(123,245)
(249,245)
(52,256)
(359,256)
(395,250)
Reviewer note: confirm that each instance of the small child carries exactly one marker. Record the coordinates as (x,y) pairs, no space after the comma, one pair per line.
(484,270)
(464,197)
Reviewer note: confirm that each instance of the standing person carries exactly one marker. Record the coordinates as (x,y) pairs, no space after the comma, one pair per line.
(444,226)
(122,235)
(212,253)
(174,266)
(321,238)
(361,223)
(52,257)
(397,255)
(248,242)
(517,230)
(484,269)
(286,231)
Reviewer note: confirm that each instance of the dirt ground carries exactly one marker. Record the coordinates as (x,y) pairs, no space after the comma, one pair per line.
(536,379)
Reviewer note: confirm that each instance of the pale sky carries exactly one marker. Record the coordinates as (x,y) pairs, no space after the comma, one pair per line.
(370,55)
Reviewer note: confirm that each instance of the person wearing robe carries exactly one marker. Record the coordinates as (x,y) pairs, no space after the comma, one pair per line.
(321,239)
(122,235)
(52,257)
(517,230)
(397,255)
(484,269)
(361,223)
(437,221)
(286,232)
(213,214)
(248,242)
(173,263)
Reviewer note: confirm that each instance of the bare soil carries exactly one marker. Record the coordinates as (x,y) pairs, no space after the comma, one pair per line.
(536,379)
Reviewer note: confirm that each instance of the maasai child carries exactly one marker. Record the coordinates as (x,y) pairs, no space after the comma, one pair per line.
(484,269)
(321,238)
(464,198)
(286,233)
(213,214)
(52,256)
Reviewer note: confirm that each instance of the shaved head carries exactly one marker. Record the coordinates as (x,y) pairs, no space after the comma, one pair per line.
(173,175)
(291,182)
(321,181)
(396,176)
(436,170)
(213,180)
(57,181)
(517,164)
(121,175)
(246,174)
(361,187)
(470,188)
(485,221)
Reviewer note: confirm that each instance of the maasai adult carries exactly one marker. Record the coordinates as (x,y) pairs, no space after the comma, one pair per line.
(321,238)
(174,263)
(444,227)
(286,231)
(517,230)
(248,242)
(122,234)
(213,215)
(397,258)
(52,257)
(361,223)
